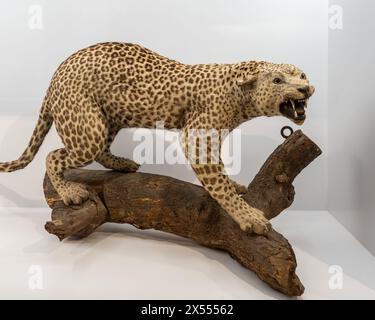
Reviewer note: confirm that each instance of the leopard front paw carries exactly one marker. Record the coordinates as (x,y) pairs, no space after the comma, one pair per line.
(254,222)
(240,189)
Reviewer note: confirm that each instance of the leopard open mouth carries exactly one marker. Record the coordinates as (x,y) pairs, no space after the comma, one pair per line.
(294,109)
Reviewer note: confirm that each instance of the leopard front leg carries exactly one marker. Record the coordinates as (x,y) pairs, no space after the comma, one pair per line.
(220,187)
(212,175)
(240,189)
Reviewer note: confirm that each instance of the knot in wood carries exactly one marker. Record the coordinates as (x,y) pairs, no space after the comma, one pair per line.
(281,178)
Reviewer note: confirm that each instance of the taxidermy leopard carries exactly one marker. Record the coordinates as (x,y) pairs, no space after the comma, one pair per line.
(106,87)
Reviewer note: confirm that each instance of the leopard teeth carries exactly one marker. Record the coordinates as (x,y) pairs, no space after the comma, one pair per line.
(293,105)
(294,108)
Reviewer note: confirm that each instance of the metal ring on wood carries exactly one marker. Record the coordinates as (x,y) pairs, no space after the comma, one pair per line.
(283,131)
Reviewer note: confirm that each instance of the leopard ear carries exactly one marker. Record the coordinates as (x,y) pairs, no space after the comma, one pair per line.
(248,83)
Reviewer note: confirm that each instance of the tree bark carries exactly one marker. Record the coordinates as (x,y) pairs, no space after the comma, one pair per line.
(167,204)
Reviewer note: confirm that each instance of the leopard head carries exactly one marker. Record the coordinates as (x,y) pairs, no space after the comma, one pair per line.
(275,90)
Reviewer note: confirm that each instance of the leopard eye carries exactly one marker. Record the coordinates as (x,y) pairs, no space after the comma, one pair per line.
(303,76)
(277,80)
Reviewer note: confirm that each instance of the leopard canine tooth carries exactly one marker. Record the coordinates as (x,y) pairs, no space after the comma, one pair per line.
(294,108)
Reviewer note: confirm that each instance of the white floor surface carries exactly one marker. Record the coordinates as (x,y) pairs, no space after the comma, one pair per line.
(121,262)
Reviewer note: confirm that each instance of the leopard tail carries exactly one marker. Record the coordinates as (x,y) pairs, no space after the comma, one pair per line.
(42,127)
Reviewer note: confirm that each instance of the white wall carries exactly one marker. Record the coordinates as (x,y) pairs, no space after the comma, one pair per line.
(192,31)
(351,120)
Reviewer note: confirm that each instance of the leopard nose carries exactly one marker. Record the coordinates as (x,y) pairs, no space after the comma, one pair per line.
(312,90)
(304,90)
(307,90)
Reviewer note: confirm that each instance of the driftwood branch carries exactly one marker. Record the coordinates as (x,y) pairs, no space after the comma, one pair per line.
(163,203)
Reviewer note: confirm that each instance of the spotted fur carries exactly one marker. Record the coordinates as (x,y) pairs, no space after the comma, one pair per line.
(101,89)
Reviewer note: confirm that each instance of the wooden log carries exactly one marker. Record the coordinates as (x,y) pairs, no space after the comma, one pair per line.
(167,204)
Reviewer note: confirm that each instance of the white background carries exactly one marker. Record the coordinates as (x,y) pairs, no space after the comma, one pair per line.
(351,120)
(192,31)
(340,65)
